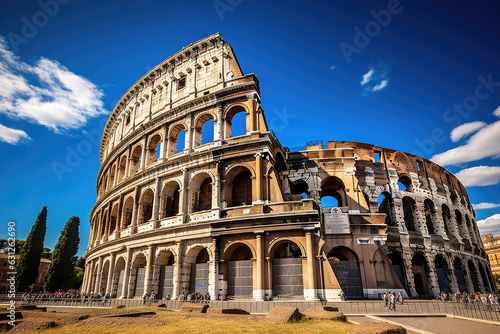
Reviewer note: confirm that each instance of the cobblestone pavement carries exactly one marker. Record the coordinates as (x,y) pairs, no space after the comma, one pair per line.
(439,325)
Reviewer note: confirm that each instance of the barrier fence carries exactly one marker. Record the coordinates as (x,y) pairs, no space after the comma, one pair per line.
(476,310)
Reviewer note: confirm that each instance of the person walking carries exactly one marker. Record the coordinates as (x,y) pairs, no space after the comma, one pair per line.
(392,301)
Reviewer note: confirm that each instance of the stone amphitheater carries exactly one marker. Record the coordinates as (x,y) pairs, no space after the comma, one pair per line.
(185,204)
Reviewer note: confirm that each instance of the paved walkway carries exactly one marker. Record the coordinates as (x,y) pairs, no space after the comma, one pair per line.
(438,325)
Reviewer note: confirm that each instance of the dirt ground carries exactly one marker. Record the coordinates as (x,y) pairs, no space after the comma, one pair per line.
(164,321)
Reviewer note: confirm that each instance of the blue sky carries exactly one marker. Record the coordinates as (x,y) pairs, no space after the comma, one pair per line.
(398,74)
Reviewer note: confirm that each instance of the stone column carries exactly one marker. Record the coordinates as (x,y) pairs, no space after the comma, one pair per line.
(156,199)
(135,209)
(258,293)
(433,282)
(149,267)
(126,282)
(311,294)
(270,275)
(142,163)
(119,216)
(109,284)
(258,178)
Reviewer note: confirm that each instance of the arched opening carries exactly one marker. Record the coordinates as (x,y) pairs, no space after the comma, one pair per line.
(170,200)
(241,193)
(135,160)
(420,269)
(146,206)
(460,224)
(429,211)
(104,277)
(409,213)
(104,221)
(236,123)
(138,276)
(469,229)
(473,275)
(405,184)
(128,206)
(287,280)
(460,274)
(445,212)
(165,262)
(442,271)
(154,149)
(240,273)
(113,219)
(299,189)
(198,281)
(201,196)
(484,278)
(118,278)
(204,130)
(177,139)
(333,190)
(345,265)
(122,168)
(205,195)
(454,198)
(399,267)
(384,202)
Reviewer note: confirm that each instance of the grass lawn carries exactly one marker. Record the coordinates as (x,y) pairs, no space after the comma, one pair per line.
(98,321)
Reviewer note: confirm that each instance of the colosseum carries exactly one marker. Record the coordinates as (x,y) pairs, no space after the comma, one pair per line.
(243,217)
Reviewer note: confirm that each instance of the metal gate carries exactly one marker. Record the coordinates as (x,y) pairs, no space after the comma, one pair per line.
(166,281)
(240,278)
(349,278)
(462,286)
(199,278)
(444,283)
(121,278)
(287,277)
(139,282)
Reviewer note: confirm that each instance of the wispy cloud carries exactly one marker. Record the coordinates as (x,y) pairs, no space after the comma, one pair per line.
(465,130)
(482,144)
(381,85)
(490,224)
(13,136)
(46,93)
(479,176)
(376,79)
(366,77)
(482,206)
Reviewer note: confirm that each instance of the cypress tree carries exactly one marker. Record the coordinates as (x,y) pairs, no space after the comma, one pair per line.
(29,260)
(61,269)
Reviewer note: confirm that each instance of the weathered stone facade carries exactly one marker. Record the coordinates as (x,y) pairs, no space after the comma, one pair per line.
(492,247)
(241,217)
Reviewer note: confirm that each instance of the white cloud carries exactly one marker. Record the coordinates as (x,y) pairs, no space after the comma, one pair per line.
(482,206)
(12,136)
(479,176)
(465,130)
(46,93)
(497,112)
(381,85)
(376,79)
(366,77)
(482,144)
(490,224)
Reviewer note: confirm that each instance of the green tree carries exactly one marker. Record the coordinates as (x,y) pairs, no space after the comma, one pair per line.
(29,260)
(61,270)
(80,263)
(4,246)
